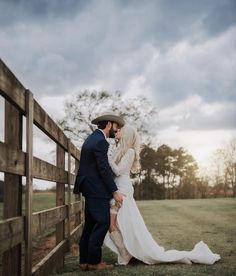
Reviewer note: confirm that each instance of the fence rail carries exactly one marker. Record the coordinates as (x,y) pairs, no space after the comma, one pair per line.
(17,229)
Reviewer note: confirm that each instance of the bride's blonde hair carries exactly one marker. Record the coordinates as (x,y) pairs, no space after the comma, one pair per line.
(129,139)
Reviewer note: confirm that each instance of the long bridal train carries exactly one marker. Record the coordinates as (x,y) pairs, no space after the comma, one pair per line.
(141,245)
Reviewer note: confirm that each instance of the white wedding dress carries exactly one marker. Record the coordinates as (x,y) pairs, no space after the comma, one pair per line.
(137,239)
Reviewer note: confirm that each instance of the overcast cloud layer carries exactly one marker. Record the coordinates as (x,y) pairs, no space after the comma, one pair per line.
(181,54)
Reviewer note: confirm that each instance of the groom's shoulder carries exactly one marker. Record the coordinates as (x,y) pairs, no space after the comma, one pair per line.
(96,137)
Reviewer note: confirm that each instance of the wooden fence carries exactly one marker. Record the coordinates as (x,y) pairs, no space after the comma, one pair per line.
(16,229)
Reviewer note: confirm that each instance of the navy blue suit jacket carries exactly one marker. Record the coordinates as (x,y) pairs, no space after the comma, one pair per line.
(95,177)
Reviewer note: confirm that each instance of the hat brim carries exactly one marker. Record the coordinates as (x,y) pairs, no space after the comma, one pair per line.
(110,117)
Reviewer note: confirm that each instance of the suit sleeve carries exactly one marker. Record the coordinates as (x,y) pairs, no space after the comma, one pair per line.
(100,152)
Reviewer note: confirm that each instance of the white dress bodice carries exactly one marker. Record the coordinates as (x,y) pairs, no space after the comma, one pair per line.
(122,173)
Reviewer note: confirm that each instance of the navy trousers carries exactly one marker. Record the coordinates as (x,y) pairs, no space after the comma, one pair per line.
(97,222)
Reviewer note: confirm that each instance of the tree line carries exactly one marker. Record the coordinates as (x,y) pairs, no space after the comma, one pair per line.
(168,173)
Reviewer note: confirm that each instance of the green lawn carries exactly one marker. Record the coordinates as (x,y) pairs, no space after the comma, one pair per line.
(179,224)
(41,201)
(175,224)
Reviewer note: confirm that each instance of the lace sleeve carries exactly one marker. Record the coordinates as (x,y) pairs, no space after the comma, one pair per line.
(125,164)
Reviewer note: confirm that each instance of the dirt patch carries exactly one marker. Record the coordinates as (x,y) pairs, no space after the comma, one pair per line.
(46,244)
(43,248)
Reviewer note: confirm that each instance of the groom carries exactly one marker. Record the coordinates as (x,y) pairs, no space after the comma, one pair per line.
(95,181)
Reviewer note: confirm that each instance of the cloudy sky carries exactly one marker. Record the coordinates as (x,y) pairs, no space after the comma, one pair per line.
(181,54)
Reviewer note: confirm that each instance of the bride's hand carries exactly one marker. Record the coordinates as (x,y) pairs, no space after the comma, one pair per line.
(118,205)
(118,196)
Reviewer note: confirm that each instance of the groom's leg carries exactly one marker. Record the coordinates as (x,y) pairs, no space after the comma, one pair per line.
(100,210)
(87,230)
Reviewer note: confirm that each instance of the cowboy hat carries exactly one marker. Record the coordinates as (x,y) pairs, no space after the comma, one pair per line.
(109,116)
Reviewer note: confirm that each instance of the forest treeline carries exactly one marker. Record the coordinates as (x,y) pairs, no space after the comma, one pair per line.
(168,173)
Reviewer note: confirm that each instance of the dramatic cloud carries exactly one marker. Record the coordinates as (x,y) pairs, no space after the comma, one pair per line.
(181,54)
(195,114)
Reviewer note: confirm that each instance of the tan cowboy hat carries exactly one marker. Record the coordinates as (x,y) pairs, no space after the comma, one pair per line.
(109,116)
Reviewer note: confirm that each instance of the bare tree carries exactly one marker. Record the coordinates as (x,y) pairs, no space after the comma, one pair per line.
(86,105)
(230,164)
(202,186)
(224,169)
(218,172)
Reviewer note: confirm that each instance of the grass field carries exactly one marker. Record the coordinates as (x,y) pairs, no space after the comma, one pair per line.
(179,224)
(41,201)
(175,224)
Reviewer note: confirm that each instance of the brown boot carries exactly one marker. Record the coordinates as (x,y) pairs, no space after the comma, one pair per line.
(100,266)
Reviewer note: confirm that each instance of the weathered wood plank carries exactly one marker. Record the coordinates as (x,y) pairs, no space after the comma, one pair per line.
(47,171)
(11,160)
(77,197)
(60,200)
(48,126)
(12,199)
(47,265)
(68,186)
(45,219)
(11,233)
(11,88)
(76,207)
(29,180)
(76,234)
(75,152)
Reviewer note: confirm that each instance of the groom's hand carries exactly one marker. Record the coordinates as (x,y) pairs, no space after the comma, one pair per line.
(118,196)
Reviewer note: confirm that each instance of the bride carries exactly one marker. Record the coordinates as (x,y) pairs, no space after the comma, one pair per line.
(128,235)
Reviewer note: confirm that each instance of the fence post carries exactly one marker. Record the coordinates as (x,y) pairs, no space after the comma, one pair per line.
(69,187)
(12,187)
(28,190)
(60,200)
(78,197)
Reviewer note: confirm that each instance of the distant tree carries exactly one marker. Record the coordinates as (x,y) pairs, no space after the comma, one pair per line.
(150,188)
(148,159)
(168,173)
(230,165)
(175,168)
(223,172)
(187,168)
(202,186)
(218,171)
(186,188)
(163,168)
(86,105)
